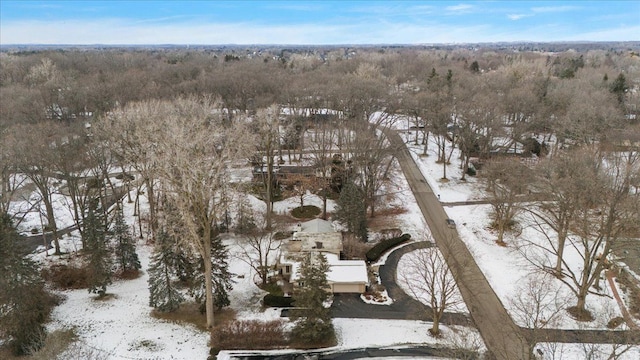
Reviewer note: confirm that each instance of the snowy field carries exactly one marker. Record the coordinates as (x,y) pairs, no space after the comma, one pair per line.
(121,327)
(508,272)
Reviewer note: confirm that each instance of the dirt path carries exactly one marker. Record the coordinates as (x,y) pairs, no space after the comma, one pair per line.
(503,337)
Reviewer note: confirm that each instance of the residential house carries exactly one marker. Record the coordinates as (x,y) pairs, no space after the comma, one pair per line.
(318,237)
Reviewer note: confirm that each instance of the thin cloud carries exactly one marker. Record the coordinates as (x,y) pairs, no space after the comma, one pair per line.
(120,32)
(459,8)
(517,16)
(548,9)
(297,7)
(391,10)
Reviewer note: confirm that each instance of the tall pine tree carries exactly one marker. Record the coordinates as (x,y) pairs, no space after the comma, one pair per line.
(95,238)
(313,319)
(351,210)
(24,303)
(163,295)
(125,247)
(221,277)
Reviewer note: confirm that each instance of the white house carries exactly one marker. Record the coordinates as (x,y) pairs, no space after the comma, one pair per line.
(318,236)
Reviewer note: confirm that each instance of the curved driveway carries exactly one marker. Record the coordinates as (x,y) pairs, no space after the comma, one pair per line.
(403,307)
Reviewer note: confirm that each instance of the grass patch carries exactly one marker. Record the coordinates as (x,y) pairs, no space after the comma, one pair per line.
(273,288)
(67,277)
(57,342)
(329,342)
(189,313)
(306,212)
(129,274)
(105,297)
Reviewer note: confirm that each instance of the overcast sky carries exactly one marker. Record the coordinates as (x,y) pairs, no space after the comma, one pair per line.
(314,22)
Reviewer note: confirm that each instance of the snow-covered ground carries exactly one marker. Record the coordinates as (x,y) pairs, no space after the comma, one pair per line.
(508,272)
(121,327)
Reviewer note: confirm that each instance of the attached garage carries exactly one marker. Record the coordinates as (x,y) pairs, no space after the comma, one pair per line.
(348,288)
(347,276)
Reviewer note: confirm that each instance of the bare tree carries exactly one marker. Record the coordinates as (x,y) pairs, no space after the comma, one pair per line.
(266,127)
(32,151)
(506,182)
(129,132)
(605,212)
(561,183)
(322,144)
(372,157)
(537,304)
(428,279)
(258,248)
(194,149)
(10,182)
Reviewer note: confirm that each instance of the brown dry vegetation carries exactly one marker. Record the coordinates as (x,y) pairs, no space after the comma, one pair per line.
(66,277)
(189,313)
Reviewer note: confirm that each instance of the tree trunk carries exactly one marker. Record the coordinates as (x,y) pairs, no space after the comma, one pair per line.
(435,330)
(324,204)
(208,276)
(269,190)
(153,221)
(562,237)
(51,221)
(582,297)
(444,169)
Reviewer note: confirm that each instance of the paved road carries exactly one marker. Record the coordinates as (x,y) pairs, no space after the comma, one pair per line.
(503,337)
(403,307)
(350,354)
(30,243)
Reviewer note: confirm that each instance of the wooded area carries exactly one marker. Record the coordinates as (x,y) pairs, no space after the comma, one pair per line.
(559,129)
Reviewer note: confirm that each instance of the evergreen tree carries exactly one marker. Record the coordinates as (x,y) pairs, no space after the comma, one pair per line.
(99,266)
(619,87)
(162,294)
(475,68)
(313,319)
(24,303)
(125,251)
(221,277)
(245,221)
(351,210)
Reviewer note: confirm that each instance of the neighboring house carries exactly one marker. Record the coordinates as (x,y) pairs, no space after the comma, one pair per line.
(283,173)
(318,237)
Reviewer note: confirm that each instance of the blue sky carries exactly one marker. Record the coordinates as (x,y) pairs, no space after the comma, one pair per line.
(314,22)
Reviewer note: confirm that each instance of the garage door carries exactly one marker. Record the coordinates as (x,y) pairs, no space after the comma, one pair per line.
(348,288)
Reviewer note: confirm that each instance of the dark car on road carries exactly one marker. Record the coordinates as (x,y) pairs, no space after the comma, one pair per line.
(451,224)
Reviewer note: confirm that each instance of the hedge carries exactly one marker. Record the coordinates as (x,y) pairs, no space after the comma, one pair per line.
(277,301)
(380,248)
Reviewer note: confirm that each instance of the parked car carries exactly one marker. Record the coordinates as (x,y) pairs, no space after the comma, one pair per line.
(451,224)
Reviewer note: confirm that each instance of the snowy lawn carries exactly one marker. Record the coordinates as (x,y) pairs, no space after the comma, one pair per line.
(506,269)
(121,326)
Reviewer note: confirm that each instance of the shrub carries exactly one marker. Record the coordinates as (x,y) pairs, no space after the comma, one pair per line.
(305,212)
(471,171)
(380,248)
(353,248)
(67,277)
(272,288)
(249,335)
(277,301)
